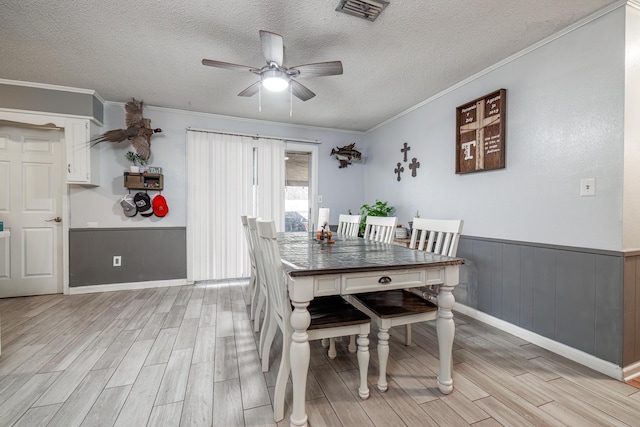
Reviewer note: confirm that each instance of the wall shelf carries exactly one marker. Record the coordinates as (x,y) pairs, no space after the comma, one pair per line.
(143,181)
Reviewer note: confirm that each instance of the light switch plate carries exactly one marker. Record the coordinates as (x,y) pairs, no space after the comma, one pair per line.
(587,187)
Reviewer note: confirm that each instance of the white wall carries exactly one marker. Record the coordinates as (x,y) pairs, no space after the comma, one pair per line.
(341,189)
(631,223)
(564,121)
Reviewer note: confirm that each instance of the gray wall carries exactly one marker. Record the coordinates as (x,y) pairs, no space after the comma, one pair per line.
(564,121)
(570,295)
(80,103)
(631,308)
(540,256)
(148,254)
(341,189)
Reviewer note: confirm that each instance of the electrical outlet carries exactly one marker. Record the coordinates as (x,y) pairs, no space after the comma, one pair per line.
(587,187)
(319,199)
(117,261)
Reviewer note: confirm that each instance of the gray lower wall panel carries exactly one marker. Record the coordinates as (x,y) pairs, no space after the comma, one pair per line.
(570,295)
(148,254)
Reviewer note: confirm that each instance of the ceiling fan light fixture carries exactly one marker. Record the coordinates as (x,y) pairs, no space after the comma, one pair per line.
(275,80)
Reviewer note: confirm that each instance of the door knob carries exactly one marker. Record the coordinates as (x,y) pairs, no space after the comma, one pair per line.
(56,219)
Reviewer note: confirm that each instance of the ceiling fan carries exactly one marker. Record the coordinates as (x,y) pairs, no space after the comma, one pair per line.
(275,76)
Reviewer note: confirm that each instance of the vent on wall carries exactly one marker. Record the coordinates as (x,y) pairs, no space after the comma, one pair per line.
(365,9)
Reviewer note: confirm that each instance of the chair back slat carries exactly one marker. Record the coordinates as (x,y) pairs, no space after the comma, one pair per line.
(257,253)
(348,225)
(380,228)
(439,236)
(250,245)
(277,295)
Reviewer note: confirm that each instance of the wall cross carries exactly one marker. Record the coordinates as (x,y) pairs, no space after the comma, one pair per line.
(414,165)
(399,169)
(404,151)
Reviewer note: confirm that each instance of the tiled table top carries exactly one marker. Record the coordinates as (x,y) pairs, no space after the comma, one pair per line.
(304,256)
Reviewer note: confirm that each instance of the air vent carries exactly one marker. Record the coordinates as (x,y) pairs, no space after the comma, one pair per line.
(365,9)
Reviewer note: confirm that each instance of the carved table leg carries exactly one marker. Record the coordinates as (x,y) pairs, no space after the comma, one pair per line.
(383,357)
(445,327)
(300,354)
(363,364)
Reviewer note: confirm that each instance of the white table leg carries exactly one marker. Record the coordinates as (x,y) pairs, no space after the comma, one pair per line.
(363,364)
(383,357)
(445,327)
(300,354)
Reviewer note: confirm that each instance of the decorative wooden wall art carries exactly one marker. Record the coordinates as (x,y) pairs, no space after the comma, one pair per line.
(480,133)
(414,165)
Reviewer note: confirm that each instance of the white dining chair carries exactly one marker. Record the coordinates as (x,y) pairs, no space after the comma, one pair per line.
(259,303)
(330,317)
(403,307)
(252,259)
(348,225)
(438,236)
(380,228)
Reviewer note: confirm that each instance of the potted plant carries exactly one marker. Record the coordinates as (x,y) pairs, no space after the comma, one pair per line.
(377,209)
(135,159)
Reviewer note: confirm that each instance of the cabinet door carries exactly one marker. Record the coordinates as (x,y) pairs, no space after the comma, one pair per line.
(80,164)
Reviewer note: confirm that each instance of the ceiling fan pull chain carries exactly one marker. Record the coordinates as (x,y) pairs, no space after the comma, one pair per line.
(260,98)
(290,100)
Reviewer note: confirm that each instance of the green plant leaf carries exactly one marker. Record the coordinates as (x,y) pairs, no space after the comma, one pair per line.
(379,208)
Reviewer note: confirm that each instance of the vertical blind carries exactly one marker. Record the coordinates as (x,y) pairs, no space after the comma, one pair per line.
(229,176)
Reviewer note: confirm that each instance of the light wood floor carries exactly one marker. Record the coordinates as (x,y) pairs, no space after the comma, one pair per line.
(187,356)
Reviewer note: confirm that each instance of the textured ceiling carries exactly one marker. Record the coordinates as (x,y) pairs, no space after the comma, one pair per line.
(152,50)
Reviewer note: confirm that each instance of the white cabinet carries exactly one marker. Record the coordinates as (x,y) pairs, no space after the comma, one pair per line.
(83,166)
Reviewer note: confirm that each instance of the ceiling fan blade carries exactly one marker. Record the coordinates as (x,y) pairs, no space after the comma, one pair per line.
(227,65)
(301,91)
(251,90)
(272,47)
(319,69)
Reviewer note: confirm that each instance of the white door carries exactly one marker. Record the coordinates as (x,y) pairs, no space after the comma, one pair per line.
(31,174)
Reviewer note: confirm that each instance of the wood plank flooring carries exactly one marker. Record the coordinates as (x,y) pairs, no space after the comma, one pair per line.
(187,356)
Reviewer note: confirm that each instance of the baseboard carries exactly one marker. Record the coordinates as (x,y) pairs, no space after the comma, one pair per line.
(126,286)
(631,372)
(564,350)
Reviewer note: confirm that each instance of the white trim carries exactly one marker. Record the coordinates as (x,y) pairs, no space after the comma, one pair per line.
(126,286)
(634,3)
(578,356)
(631,372)
(505,61)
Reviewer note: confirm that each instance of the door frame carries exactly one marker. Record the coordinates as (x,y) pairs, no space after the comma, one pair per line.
(60,121)
(312,149)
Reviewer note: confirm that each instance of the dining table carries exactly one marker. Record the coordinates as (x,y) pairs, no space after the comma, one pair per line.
(354,265)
